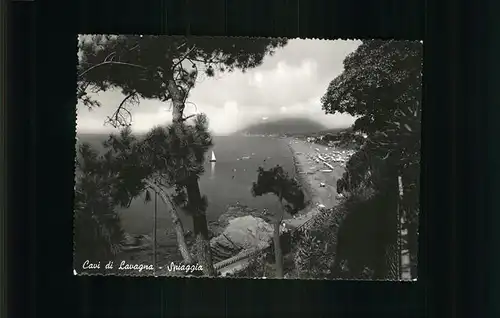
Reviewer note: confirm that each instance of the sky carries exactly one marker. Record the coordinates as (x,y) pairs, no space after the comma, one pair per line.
(288,84)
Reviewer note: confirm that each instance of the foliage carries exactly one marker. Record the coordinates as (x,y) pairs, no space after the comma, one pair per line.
(379,78)
(350,233)
(364,234)
(315,244)
(381,84)
(314,253)
(97,229)
(164,68)
(119,175)
(278,182)
(147,66)
(176,153)
(257,267)
(388,101)
(167,155)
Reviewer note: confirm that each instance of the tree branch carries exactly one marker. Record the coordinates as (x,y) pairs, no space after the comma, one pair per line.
(184,57)
(181,46)
(157,188)
(109,63)
(116,114)
(110,57)
(196,107)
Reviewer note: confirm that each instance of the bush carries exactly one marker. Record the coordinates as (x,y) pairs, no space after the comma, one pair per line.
(97,227)
(367,239)
(258,267)
(313,257)
(315,245)
(347,241)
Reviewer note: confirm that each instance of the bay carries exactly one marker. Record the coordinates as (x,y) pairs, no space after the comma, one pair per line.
(225,182)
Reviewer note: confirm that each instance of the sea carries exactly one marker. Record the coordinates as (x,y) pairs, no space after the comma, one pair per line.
(225,182)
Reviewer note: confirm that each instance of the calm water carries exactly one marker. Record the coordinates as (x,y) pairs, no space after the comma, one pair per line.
(224,182)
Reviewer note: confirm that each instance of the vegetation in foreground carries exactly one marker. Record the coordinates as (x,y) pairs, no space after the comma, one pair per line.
(359,238)
(381,84)
(166,69)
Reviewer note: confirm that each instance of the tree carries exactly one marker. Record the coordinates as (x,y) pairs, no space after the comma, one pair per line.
(163,68)
(166,68)
(133,167)
(276,181)
(138,167)
(363,236)
(98,232)
(368,234)
(381,84)
(170,152)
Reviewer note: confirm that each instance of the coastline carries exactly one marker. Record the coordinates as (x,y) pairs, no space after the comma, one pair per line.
(317,179)
(318,185)
(299,176)
(318,174)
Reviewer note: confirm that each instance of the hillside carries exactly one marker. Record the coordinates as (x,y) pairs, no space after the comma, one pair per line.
(332,131)
(288,126)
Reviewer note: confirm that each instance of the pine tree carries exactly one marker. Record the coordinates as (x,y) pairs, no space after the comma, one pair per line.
(159,162)
(291,198)
(166,68)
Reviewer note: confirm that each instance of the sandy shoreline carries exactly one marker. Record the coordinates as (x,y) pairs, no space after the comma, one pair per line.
(318,179)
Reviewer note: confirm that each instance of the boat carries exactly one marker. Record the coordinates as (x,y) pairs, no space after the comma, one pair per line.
(213,157)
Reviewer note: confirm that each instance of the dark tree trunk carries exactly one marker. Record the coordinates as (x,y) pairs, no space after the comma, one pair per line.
(177,101)
(179,232)
(200,228)
(179,229)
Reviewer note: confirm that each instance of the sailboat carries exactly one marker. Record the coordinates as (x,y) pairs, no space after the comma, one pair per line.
(213,157)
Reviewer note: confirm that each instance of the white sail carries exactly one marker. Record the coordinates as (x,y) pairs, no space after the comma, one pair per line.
(213,157)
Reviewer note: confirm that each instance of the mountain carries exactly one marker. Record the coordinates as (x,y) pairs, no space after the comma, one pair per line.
(289,126)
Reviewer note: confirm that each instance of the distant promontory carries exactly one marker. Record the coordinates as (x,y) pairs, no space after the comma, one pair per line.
(285,126)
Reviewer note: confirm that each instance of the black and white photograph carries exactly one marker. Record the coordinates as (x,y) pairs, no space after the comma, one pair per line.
(239,157)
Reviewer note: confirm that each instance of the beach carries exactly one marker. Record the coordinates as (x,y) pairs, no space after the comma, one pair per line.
(319,178)
(317,168)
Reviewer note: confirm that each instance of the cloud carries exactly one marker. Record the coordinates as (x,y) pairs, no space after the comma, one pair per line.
(289,83)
